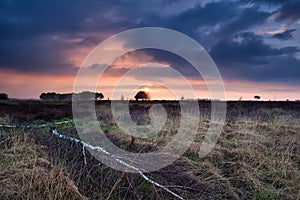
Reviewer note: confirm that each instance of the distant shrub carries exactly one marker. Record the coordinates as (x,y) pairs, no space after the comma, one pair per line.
(256,97)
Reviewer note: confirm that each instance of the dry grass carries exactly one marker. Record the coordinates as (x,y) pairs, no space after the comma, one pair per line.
(255,158)
(26,174)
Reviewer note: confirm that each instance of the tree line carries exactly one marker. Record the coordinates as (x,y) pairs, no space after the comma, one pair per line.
(85,95)
(3,96)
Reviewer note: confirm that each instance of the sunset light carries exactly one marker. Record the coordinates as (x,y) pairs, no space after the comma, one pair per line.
(152,100)
(251,52)
(147,90)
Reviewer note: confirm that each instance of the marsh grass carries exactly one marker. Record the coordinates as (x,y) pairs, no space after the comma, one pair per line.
(25,173)
(256,157)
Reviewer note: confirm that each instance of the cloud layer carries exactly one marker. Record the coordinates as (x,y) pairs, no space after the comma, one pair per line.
(53,37)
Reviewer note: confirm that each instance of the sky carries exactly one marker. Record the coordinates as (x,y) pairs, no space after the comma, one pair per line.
(254,43)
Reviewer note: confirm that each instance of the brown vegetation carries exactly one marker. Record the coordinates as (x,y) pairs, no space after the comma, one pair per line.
(26,173)
(257,157)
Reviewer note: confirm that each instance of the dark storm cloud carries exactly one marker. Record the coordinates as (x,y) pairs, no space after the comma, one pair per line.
(286,35)
(39,36)
(33,17)
(29,27)
(249,17)
(248,57)
(209,14)
(224,17)
(34,55)
(290,11)
(35,35)
(246,47)
(266,1)
(279,69)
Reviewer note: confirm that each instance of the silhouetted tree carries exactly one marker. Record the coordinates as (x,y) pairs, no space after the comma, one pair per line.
(256,97)
(142,95)
(3,96)
(99,96)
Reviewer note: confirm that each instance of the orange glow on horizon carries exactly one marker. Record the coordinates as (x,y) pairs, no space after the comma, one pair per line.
(31,85)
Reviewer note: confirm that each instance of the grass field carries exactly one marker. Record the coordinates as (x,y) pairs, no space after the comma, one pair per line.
(256,157)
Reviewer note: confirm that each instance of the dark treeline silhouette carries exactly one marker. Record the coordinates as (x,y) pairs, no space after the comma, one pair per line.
(85,95)
(56,96)
(3,96)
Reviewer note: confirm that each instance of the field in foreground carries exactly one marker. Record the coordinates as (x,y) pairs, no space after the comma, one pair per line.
(257,155)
